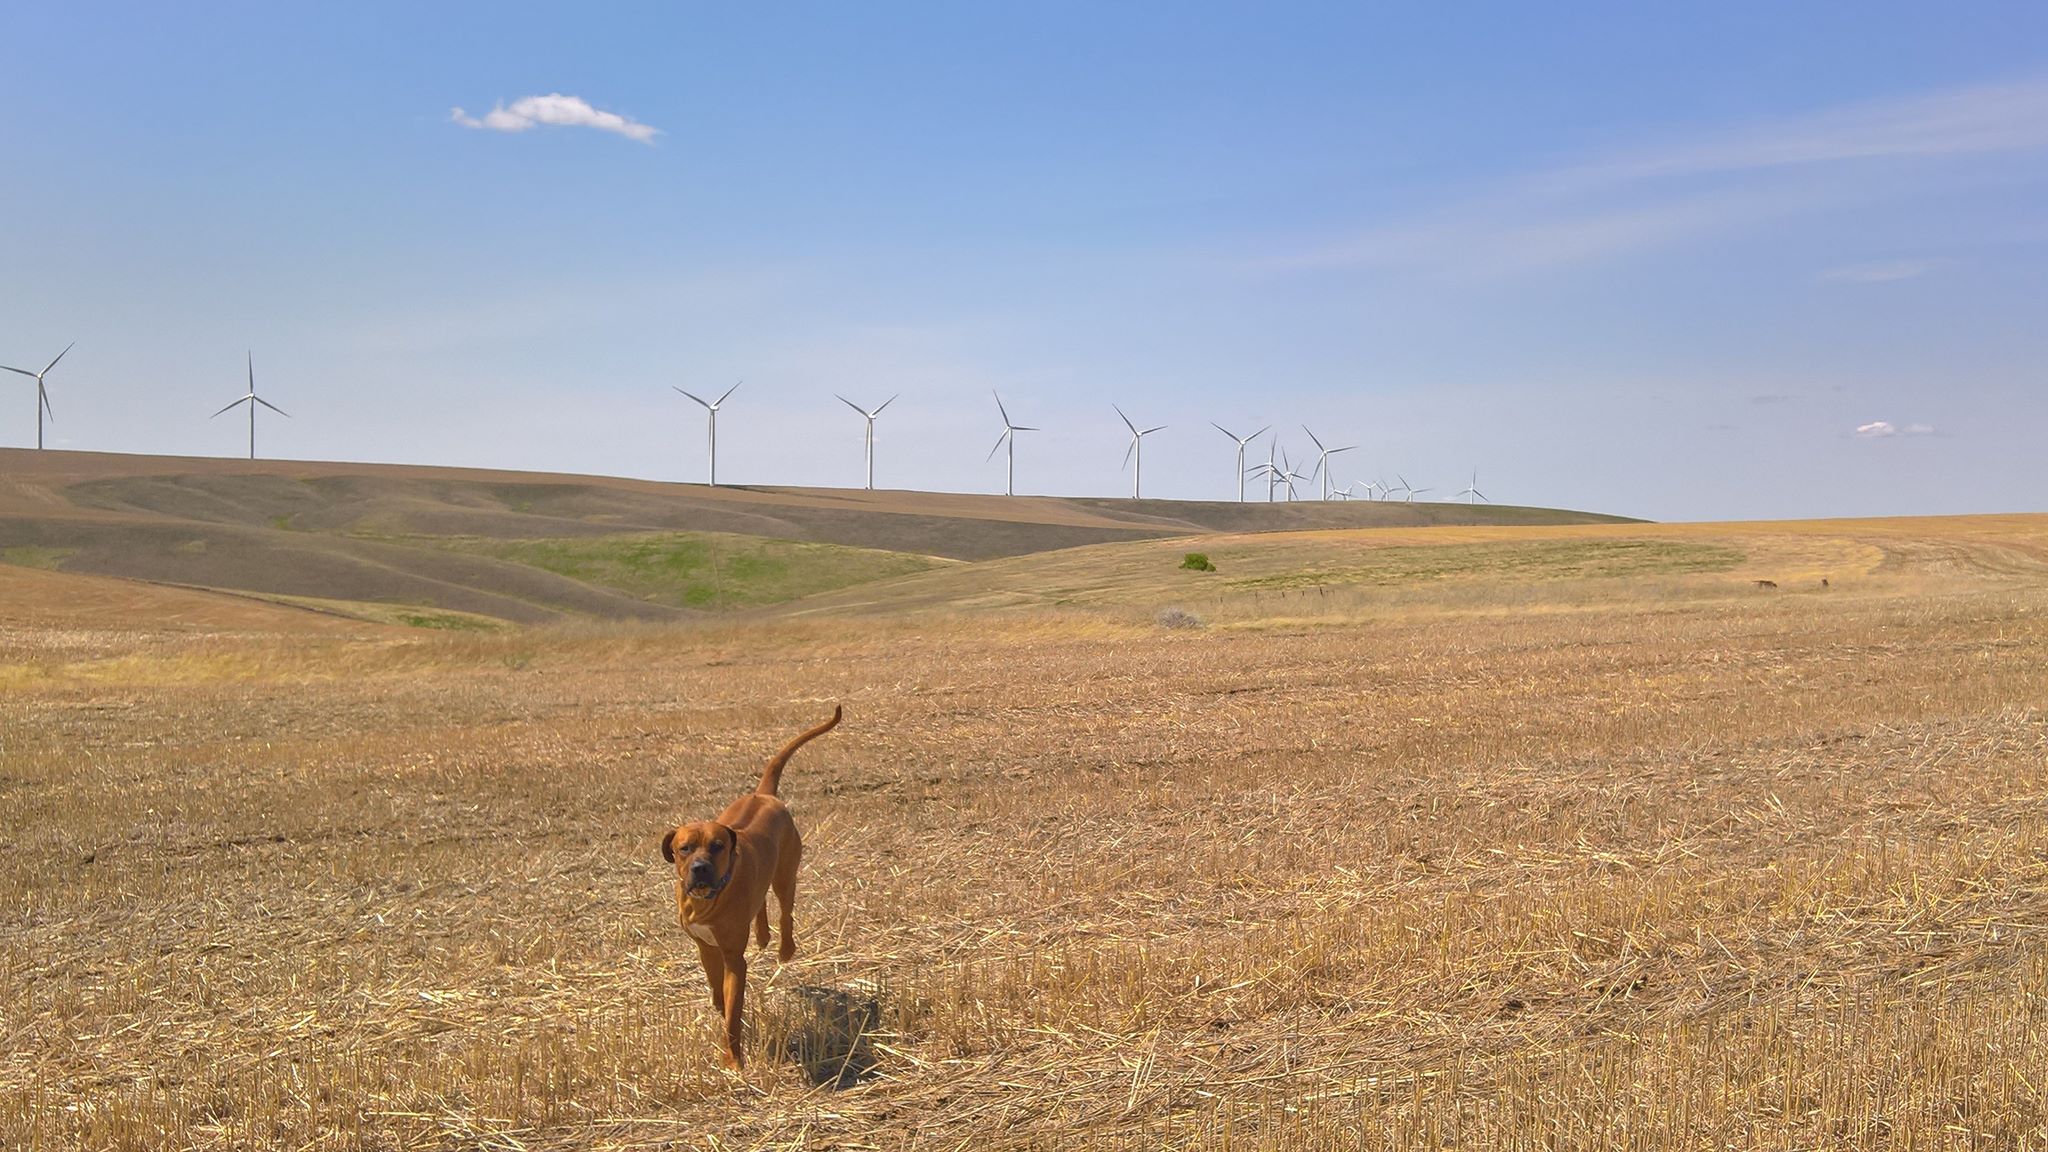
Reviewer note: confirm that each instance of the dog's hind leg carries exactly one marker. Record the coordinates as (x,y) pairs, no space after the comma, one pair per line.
(784,884)
(761,926)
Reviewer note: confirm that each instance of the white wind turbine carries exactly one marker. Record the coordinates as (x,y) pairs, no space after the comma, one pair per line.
(711,411)
(1009,437)
(1286,475)
(1473,490)
(1136,449)
(1241,442)
(1410,491)
(1322,467)
(870,417)
(42,395)
(252,400)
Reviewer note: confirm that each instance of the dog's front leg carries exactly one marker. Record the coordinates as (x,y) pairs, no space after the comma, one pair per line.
(714,973)
(735,1004)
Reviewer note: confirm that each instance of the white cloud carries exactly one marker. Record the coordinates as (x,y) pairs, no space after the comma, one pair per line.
(557,110)
(1880,428)
(1879,272)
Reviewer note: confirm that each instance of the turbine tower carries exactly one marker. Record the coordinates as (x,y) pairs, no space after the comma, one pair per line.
(252,400)
(42,394)
(1473,490)
(1009,437)
(1241,442)
(870,417)
(711,408)
(1136,449)
(1322,467)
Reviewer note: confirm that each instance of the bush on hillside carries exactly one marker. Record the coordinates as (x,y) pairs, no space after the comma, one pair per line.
(1197,562)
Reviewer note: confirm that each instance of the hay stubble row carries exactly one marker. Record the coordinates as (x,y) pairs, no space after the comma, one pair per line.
(1637,861)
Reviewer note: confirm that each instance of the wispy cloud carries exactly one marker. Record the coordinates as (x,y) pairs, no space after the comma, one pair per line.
(557,110)
(1658,195)
(1879,272)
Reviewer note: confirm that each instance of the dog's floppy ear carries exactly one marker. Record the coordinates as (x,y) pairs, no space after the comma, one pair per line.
(668,845)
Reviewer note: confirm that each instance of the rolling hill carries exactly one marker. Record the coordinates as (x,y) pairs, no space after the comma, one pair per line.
(454,545)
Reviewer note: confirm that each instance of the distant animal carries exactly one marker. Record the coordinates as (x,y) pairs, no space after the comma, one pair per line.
(724,870)
(1767,583)
(1823,581)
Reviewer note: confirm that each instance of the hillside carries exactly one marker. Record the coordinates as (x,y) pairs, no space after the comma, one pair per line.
(532,547)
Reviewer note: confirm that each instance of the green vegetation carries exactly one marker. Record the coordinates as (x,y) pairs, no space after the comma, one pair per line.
(1534,560)
(450,621)
(699,569)
(1197,562)
(32,556)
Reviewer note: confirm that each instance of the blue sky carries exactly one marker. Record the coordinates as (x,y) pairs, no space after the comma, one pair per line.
(1633,258)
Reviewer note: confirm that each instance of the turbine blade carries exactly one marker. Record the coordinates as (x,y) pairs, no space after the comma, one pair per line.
(252,373)
(999,446)
(885,404)
(1127,454)
(272,407)
(44,395)
(694,396)
(1226,431)
(999,406)
(728,392)
(1259,433)
(61,355)
(851,404)
(1312,436)
(1127,420)
(1023,428)
(1346,448)
(23,371)
(231,406)
(1149,431)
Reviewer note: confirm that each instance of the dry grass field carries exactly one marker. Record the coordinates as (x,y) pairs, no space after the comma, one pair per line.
(1485,837)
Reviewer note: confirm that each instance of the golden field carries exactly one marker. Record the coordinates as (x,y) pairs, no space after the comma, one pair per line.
(1474,837)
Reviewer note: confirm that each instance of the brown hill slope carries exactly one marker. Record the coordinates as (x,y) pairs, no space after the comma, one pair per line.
(378,532)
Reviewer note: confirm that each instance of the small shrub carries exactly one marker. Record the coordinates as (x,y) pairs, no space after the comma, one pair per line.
(1197,562)
(1179,618)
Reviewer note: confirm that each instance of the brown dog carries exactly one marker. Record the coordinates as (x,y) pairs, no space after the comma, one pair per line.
(724,869)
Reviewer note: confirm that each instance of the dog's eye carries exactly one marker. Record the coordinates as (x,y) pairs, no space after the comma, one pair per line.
(715,846)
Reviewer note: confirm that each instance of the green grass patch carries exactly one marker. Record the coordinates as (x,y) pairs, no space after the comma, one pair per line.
(447,621)
(35,556)
(1197,562)
(1533,560)
(700,569)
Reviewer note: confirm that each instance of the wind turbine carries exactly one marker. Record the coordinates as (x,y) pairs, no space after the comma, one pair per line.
(1287,475)
(42,395)
(1137,449)
(871,430)
(1009,437)
(1322,467)
(252,400)
(1473,489)
(1241,442)
(711,407)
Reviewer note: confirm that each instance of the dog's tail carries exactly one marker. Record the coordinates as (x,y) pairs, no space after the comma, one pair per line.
(771,776)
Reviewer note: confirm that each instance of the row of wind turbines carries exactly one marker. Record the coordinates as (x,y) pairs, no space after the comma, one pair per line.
(43,397)
(1279,471)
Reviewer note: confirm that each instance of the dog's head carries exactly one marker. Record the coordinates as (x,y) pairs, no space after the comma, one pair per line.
(703,855)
